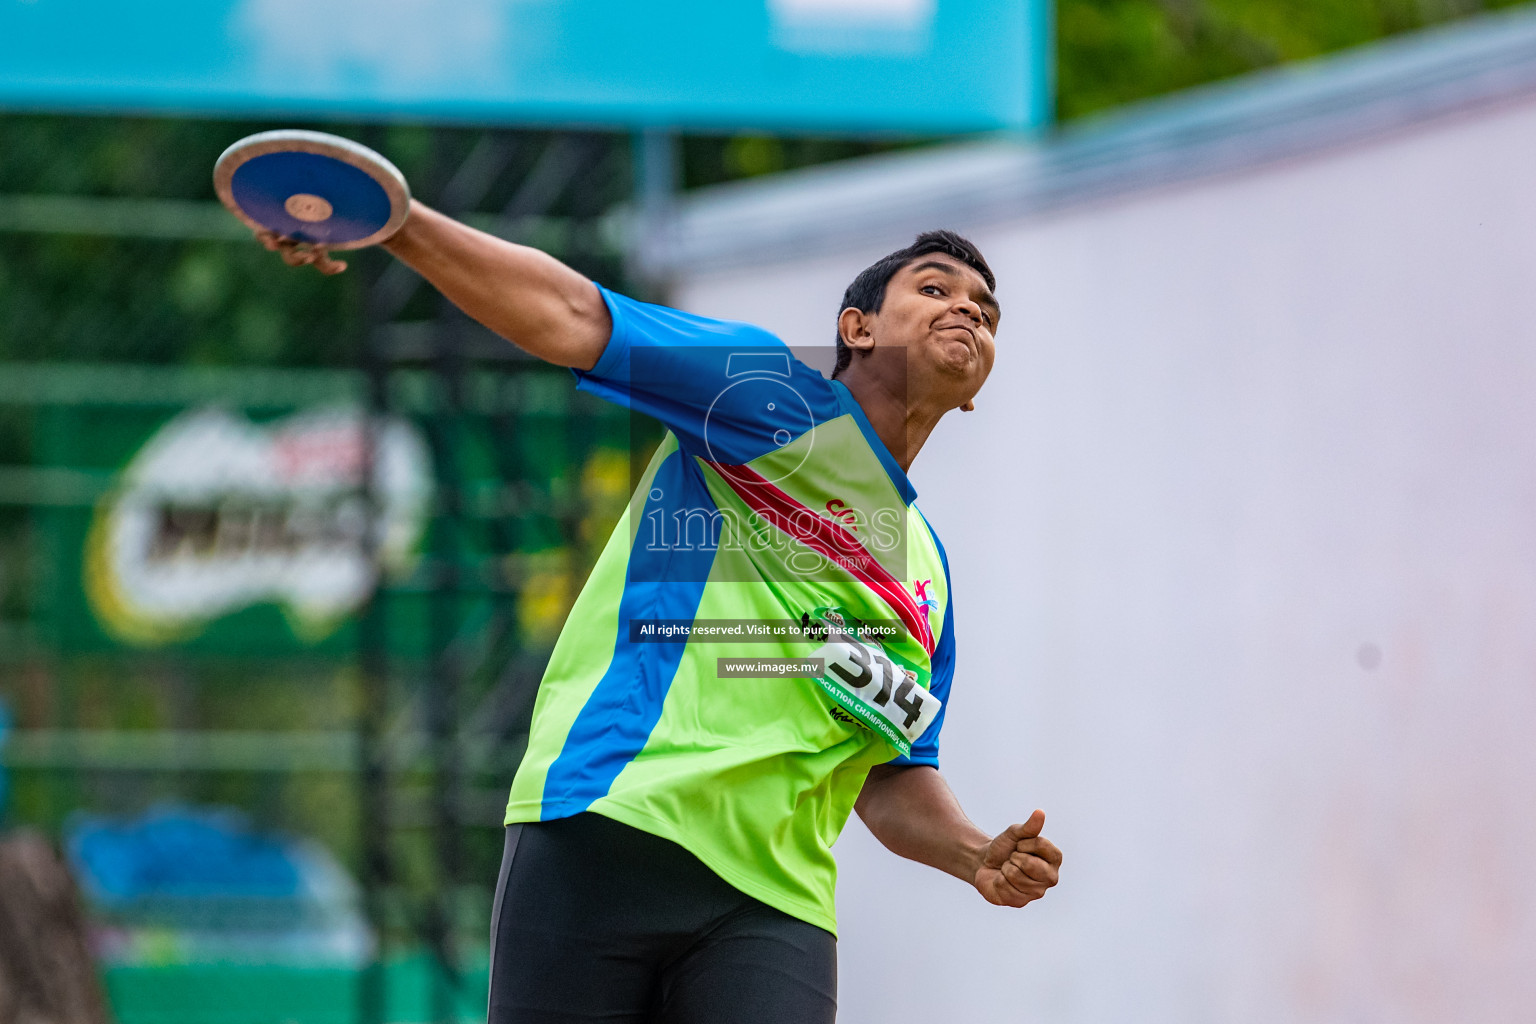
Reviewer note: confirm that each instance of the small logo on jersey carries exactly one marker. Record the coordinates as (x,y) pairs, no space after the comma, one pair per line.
(926,603)
(840,511)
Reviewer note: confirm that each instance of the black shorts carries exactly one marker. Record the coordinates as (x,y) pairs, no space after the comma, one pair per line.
(598,921)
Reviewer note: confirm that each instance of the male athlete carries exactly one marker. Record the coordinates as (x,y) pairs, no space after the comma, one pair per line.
(669,831)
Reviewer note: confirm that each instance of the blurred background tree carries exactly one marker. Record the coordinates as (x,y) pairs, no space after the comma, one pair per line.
(1111,52)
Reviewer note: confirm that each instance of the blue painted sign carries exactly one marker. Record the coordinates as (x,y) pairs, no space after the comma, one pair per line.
(839,65)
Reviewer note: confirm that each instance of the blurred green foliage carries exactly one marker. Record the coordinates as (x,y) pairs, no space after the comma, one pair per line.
(1111,52)
(104,297)
(73,297)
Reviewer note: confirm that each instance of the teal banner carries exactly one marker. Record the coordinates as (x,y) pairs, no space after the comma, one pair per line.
(847,65)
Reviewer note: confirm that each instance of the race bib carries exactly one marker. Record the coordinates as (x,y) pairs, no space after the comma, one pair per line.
(882,694)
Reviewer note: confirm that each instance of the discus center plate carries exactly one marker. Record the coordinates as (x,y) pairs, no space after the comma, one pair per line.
(307,208)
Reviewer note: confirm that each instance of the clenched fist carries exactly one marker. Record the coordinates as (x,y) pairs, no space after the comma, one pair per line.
(1019,865)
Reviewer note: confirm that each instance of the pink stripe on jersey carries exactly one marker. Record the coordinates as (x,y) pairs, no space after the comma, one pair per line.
(828,537)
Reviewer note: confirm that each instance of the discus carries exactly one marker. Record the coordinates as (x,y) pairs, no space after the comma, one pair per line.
(317,189)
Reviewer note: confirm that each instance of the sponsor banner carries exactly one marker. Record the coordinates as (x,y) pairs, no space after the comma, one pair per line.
(216,514)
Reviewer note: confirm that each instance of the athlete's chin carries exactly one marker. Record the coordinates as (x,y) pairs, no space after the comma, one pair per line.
(957,362)
(951,364)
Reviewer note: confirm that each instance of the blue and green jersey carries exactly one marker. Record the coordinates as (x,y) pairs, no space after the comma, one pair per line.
(771,502)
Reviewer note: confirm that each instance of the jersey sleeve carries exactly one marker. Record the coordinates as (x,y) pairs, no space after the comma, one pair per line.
(926,749)
(730,391)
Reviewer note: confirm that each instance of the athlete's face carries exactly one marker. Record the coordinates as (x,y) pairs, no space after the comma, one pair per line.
(944,315)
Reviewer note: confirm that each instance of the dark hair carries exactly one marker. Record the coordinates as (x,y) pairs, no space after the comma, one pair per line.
(867,292)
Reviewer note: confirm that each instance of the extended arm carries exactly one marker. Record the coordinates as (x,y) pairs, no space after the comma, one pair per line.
(526,296)
(914,814)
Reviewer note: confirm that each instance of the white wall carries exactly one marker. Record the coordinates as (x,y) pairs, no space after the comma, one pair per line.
(1237,432)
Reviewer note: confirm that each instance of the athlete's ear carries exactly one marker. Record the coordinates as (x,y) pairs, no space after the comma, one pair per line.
(856,328)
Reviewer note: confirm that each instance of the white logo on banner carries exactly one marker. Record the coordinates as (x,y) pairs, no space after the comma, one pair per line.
(852,26)
(215,514)
(389,46)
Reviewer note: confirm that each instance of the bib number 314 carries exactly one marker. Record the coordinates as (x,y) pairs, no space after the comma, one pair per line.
(885,696)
